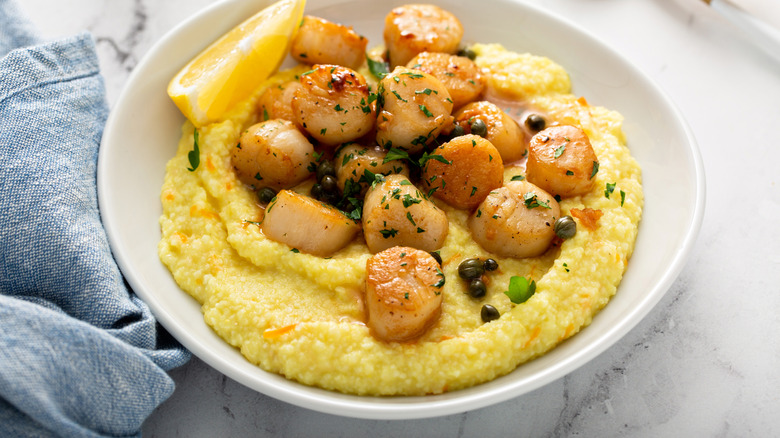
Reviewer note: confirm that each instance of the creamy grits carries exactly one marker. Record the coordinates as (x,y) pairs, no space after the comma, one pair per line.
(302,316)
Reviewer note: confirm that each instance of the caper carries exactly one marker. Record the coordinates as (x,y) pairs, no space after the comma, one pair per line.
(470,269)
(478,127)
(329,184)
(535,122)
(490,265)
(489,313)
(325,168)
(316,191)
(437,257)
(266,194)
(565,227)
(457,131)
(477,288)
(468,53)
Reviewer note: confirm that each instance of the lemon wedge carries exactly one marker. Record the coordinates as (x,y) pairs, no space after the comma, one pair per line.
(231,68)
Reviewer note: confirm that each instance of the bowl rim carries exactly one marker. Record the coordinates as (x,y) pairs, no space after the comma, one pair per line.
(390,407)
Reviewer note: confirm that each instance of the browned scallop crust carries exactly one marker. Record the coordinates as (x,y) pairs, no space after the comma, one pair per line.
(502,130)
(276,102)
(307,225)
(561,160)
(459,74)
(413,29)
(403,293)
(515,220)
(332,104)
(474,168)
(272,154)
(319,41)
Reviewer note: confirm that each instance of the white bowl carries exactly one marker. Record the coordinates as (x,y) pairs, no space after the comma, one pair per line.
(144,127)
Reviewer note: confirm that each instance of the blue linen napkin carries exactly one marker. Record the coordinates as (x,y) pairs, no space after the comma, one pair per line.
(80,354)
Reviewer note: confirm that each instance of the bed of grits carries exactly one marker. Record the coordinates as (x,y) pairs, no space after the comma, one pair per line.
(302,316)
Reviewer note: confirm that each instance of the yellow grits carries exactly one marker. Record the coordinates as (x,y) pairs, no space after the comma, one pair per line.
(302,316)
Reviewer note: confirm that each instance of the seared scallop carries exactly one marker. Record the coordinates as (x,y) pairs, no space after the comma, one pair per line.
(396,213)
(356,165)
(516,220)
(319,41)
(412,29)
(463,171)
(272,154)
(488,120)
(459,74)
(332,104)
(403,293)
(561,160)
(307,225)
(413,107)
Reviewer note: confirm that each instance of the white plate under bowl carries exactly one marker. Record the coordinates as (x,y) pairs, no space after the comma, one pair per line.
(144,127)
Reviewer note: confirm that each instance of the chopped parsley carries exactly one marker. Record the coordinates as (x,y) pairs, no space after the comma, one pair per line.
(517,178)
(426,92)
(408,200)
(442,280)
(388,233)
(426,156)
(398,96)
(425,111)
(396,154)
(532,201)
(194,154)
(610,188)
(378,69)
(559,151)
(371,178)
(595,169)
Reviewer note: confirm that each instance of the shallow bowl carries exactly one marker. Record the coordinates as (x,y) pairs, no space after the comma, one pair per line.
(144,127)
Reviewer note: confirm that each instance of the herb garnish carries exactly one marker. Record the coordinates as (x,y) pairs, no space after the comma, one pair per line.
(194,154)
(378,68)
(388,233)
(532,201)
(520,289)
(442,280)
(426,111)
(610,188)
(595,169)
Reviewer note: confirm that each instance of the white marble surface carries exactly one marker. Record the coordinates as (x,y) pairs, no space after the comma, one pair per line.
(702,363)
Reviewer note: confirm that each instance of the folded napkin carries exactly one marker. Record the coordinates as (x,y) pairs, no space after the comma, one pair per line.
(80,354)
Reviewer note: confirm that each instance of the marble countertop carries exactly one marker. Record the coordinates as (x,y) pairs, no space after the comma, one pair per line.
(702,363)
